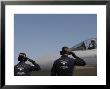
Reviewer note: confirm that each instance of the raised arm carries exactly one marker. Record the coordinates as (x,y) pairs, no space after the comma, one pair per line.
(78,61)
(35,66)
(74,55)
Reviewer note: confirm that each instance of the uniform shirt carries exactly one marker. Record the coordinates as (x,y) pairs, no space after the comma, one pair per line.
(23,69)
(64,66)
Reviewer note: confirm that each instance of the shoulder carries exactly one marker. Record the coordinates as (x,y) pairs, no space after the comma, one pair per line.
(71,59)
(57,60)
(26,65)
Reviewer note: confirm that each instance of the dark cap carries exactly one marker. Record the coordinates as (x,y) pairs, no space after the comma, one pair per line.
(65,47)
(22,54)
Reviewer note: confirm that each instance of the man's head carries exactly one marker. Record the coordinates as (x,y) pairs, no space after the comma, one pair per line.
(65,51)
(22,57)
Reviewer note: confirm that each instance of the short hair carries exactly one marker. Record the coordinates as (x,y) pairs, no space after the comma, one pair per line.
(65,47)
(22,54)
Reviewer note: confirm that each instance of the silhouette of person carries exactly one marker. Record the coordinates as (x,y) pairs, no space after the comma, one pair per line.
(23,69)
(64,65)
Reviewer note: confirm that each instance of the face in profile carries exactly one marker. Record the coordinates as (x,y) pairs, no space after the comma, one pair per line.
(22,57)
(66,51)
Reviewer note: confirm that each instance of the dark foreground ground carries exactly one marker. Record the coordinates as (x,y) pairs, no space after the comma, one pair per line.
(78,71)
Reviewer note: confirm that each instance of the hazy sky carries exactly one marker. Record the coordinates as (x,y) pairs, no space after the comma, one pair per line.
(42,34)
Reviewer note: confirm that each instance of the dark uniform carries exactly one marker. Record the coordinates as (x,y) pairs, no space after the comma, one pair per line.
(23,69)
(64,66)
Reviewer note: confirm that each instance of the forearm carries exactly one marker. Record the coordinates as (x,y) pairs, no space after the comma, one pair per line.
(74,55)
(36,66)
(80,62)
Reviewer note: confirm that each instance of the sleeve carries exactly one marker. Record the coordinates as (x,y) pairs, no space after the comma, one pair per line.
(53,70)
(35,66)
(74,55)
(80,62)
